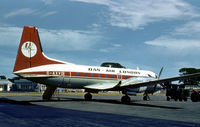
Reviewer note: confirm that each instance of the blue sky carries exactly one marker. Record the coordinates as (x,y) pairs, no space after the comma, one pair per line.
(147,34)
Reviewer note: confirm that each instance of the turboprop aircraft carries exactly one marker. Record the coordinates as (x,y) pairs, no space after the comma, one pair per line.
(32,64)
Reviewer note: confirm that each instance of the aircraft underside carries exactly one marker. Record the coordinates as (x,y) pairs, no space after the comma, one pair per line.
(53,83)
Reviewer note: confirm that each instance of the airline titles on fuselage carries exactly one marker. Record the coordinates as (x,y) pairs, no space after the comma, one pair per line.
(122,71)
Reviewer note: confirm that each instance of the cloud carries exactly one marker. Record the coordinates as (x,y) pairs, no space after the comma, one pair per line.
(66,40)
(183,38)
(49,13)
(101,2)
(110,48)
(135,14)
(47,2)
(63,40)
(175,44)
(29,11)
(23,11)
(10,36)
(190,29)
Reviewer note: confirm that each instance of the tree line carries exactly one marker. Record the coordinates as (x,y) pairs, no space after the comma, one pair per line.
(190,81)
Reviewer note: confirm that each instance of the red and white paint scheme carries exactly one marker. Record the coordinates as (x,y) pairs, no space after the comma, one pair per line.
(32,64)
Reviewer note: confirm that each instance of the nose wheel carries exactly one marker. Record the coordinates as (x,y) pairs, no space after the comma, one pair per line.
(88,96)
(146,98)
(125,99)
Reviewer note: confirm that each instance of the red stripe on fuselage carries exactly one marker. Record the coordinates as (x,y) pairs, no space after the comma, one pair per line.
(79,74)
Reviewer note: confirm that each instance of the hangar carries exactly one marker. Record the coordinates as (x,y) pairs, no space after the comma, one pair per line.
(5,85)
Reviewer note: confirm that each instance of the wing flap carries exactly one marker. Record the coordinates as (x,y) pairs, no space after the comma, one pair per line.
(102,86)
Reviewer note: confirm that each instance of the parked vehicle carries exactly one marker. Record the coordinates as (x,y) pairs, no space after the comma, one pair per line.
(195,96)
(177,92)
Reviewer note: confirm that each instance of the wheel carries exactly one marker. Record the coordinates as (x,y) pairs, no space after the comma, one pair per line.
(168,98)
(194,97)
(88,97)
(185,99)
(146,98)
(125,99)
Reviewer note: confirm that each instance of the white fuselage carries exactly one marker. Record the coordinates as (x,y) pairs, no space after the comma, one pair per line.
(78,76)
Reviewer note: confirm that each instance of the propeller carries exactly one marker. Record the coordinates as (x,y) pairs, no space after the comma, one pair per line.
(161,70)
(159,74)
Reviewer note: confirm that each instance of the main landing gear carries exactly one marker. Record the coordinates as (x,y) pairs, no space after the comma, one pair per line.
(125,99)
(88,96)
(48,93)
(146,96)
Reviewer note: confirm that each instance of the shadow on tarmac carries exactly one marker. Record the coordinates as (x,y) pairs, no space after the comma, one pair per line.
(5,100)
(23,113)
(118,102)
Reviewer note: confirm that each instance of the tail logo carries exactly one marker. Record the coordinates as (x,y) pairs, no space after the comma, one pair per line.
(29,49)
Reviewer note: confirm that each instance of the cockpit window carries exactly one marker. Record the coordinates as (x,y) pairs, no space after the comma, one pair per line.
(113,65)
(150,75)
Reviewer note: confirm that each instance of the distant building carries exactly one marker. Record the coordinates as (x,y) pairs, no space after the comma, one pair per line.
(23,85)
(5,85)
(20,84)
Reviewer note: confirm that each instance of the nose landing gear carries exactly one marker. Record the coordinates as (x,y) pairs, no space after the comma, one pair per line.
(146,96)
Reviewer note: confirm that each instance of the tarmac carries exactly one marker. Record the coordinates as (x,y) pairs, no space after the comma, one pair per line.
(21,110)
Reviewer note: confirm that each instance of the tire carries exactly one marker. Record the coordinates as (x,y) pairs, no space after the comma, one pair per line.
(145,98)
(125,99)
(185,99)
(88,97)
(194,97)
(168,98)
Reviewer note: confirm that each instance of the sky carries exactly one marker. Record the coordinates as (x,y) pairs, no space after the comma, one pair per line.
(142,34)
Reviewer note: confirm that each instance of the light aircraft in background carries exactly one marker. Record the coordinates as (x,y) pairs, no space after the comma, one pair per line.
(32,64)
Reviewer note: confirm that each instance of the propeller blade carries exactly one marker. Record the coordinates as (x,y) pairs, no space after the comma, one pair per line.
(160,72)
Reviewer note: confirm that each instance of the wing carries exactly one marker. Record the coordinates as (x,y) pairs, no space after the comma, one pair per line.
(139,84)
(103,85)
(133,83)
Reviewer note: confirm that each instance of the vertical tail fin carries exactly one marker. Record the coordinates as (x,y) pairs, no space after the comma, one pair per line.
(30,52)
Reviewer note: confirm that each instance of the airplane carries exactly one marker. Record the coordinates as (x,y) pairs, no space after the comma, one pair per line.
(32,64)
